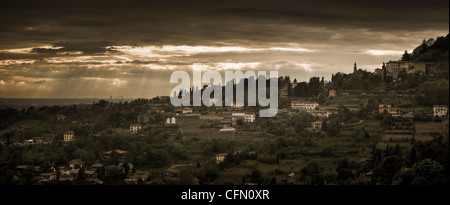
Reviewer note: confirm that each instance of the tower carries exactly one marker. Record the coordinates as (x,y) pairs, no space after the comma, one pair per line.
(355,68)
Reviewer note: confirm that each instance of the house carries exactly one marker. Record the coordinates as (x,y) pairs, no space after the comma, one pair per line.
(171,121)
(395,112)
(319,113)
(220,157)
(332,93)
(186,110)
(155,107)
(384,108)
(130,181)
(249,117)
(90,174)
(96,166)
(45,177)
(228,129)
(304,105)
(238,116)
(65,177)
(317,125)
(60,117)
(237,107)
(134,128)
(76,164)
(69,136)
(38,140)
(127,165)
(393,68)
(120,153)
(245,117)
(171,175)
(64,170)
(48,138)
(440,110)
(228,120)
(141,175)
(114,167)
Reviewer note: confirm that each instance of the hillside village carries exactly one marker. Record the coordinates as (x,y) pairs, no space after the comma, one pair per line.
(363,127)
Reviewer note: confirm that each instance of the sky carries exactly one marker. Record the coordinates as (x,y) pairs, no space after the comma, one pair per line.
(83,49)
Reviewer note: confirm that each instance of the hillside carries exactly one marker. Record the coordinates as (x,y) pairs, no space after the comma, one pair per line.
(431,50)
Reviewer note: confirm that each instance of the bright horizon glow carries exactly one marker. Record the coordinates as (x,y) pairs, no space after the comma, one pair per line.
(383,52)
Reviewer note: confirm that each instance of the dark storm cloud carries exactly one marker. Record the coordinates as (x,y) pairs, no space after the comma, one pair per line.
(208,22)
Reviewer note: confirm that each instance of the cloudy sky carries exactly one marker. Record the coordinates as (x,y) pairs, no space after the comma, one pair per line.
(81,48)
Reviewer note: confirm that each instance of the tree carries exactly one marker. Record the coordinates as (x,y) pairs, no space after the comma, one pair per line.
(311,173)
(185,177)
(388,168)
(406,56)
(428,171)
(256,177)
(81,174)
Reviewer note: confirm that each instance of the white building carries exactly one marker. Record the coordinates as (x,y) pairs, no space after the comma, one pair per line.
(440,110)
(173,121)
(249,117)
(134,128)
(220,157)
(228,129)
(304,105)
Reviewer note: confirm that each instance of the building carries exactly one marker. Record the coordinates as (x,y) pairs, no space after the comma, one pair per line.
(228,120)
(393,68)
(120,154)
(319,113)
(384,108)
(48,138)
(395,112)
(245,117)
(186,110)
(141,175)
(249,117)
(332,93)
(69,136)
(134,128)
(304,105)
(38,140)
(440,110)
(60,117)
(317,125)
(171,121)
(76,164)
(228,129)
(46,177)
(220,157)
